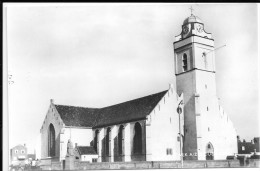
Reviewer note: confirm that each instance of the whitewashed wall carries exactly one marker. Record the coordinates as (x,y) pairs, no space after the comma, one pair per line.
(162,130)
(88,157)
(214,125)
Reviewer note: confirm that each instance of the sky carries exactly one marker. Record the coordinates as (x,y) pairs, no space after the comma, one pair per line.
(95,55)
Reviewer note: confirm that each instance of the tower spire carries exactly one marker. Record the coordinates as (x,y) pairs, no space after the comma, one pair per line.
(191,9)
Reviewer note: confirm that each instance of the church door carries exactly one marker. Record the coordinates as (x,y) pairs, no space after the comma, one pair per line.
(209,152)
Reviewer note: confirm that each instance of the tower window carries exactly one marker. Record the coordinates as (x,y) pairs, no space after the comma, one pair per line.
(207,108)
(206,86)
(184,62)
(204,55)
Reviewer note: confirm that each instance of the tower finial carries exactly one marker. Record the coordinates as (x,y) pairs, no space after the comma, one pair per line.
(191,9)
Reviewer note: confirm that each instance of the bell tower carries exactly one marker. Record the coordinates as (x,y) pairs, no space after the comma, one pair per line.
(195,78)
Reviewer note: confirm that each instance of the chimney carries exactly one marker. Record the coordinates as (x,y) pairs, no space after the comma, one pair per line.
(76,144)
(52,101)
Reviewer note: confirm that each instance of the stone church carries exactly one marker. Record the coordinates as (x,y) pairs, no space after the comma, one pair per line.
(187,122)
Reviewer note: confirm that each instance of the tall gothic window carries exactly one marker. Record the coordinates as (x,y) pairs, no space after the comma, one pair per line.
(137,139)
(108,142)
(51,141)
(185,62)
(121,140)
(96,140)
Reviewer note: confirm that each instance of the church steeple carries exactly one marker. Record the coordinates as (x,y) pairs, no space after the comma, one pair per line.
(193,25)
(199,55)
(195,78)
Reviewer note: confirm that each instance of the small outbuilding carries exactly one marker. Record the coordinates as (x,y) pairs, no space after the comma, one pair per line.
(86,153)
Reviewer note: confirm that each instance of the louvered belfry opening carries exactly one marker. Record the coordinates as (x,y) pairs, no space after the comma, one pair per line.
(137,139)
(51,141)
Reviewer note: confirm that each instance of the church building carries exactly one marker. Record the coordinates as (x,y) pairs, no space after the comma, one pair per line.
(187,122)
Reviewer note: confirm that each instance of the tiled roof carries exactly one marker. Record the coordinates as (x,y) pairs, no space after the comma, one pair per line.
(86,150)
(128,111)
(120,113)
(76,116)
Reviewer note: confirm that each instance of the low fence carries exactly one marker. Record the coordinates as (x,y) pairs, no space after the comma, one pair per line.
(55,165)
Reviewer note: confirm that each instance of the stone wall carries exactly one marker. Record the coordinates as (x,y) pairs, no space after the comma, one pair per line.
(166,164)
(162,128)
(79,165)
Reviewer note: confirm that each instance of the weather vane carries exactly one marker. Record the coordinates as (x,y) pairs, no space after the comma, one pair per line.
(191,9)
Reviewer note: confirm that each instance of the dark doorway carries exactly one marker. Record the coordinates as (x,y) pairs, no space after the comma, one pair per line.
(63,164)
(209,152)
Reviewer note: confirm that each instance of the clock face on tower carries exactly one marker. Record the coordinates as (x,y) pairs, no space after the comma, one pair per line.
(199,28)
(185,30)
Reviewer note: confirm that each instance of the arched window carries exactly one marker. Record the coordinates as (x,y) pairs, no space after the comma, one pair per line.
(51,141)
(137,139)
(204,55)
(209,152)
(96,140)
(121,141)
(108,142)
(185,62)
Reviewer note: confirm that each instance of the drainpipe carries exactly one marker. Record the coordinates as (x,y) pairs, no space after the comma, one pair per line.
(179,110)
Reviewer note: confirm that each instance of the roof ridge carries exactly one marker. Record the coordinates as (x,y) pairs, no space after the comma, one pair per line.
(76,106)
(113,104)
(135,99)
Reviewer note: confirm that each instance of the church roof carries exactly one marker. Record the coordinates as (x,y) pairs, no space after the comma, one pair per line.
(133,110)
(128,111)
(86,150)
(76,116)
